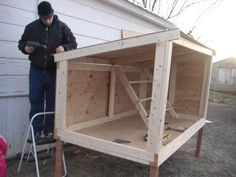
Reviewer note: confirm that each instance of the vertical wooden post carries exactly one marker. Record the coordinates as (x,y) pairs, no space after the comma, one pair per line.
(61,95)
(154,171)
(58,158)
(112,94)
(199,142)
(159,96)
(143,88)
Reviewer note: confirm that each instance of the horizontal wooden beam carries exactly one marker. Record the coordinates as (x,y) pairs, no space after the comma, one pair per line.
(89,66)
(133,59)
(102,120)
(104,146)
(130,69)
(152,38)
(140,82)
(99,67)
(145,99)
(194,46)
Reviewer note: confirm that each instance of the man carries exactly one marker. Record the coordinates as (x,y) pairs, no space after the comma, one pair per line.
(41,39)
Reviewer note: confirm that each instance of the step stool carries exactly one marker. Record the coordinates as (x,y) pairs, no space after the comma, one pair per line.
(32,155)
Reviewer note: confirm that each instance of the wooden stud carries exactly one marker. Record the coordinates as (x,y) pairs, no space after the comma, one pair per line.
(171,93)
(143,89)
(205,87)
(159,96)
(203,100)
(58,158)
(61,95)
(199,142)
(112,94)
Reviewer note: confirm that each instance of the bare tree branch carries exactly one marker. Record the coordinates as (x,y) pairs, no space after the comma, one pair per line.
(144,3)
(159,8)
(184,7)
(154,4)
(178,7)
(174,4)
(207,10)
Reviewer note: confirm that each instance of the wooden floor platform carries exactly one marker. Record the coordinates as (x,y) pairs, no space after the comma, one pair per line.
(131,130)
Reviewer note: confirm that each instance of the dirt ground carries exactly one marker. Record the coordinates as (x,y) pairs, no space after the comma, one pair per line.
(217,159)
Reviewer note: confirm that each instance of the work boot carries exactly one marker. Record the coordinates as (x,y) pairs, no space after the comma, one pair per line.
(49,135)
(37,136)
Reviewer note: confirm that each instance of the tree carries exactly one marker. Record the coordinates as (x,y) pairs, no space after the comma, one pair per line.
(173,9)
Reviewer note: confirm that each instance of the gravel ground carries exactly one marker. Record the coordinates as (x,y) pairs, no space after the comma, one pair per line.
(217,158)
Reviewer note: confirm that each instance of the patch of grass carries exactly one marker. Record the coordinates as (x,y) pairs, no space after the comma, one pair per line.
(221,97)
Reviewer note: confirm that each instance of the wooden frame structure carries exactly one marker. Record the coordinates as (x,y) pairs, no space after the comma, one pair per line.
(110,95)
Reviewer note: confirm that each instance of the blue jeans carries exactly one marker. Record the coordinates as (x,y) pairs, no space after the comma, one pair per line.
(42,98)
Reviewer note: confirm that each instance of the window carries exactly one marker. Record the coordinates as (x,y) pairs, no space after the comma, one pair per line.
(227,76)
(224,76)
(233,78)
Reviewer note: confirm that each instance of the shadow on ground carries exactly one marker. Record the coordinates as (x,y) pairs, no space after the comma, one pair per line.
(217,159)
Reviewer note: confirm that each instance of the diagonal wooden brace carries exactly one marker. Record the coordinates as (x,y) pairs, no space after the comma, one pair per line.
(125,82)
(169,107)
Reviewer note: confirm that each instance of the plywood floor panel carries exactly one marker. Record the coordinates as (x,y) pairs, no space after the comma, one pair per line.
(133,129)
(130,128)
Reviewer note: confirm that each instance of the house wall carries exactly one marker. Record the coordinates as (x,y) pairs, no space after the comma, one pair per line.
(92,22)
(224,75)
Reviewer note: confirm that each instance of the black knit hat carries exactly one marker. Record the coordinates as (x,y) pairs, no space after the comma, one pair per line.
(45,9)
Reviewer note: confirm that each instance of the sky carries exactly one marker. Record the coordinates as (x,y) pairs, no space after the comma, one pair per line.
(217,29)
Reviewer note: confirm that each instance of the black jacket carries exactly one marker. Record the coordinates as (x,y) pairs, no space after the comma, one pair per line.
(53,36)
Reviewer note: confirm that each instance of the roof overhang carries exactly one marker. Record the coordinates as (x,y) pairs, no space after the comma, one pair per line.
(141,13)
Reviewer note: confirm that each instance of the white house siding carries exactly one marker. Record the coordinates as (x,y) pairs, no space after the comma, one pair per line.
(224,75)
(92,22)
(14,121)
(14,66)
